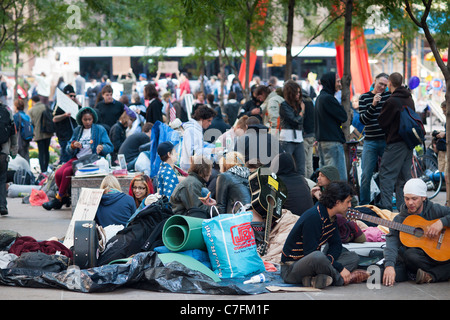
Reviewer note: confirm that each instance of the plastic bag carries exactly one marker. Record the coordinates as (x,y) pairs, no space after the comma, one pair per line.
(231,245)
(38,197)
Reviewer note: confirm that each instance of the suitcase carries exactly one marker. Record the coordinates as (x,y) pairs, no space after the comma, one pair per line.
(86,244)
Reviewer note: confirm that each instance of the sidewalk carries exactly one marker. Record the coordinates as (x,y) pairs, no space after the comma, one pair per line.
(41,225)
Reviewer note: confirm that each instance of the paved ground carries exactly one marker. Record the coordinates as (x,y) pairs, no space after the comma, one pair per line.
(42,224)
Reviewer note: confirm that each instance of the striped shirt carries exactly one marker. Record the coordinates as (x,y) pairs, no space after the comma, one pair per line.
(312,230)
(368,115)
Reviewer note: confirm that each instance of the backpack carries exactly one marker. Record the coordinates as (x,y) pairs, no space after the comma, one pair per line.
(411,128)
(47,124)
(26,128)
(24,177)
(7,127)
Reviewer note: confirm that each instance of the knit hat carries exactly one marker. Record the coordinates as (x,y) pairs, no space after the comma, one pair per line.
(164,148)
(86,110)
(416,187)
(330,172)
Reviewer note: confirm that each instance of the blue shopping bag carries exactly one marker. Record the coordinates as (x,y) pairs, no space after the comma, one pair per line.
(231,245)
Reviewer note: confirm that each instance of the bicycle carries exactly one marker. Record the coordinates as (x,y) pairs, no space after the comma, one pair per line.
(354,155)
(425,167)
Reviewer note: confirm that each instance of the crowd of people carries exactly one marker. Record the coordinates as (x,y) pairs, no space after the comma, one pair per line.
(275,130)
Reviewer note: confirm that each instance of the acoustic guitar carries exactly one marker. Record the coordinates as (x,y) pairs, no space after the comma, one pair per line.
(268,195)
(412,233)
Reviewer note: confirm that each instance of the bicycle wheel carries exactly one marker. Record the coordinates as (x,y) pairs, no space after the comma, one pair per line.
(425,167)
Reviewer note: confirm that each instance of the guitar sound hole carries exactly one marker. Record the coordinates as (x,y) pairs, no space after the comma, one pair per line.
(418,232)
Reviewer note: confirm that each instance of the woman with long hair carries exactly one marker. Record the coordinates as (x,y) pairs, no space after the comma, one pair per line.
(140,187)
(292,111)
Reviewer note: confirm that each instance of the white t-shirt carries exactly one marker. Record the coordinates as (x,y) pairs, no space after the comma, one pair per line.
(86,142)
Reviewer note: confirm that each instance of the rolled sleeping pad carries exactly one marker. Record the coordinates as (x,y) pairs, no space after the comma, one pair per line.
(21,190)
(182,233)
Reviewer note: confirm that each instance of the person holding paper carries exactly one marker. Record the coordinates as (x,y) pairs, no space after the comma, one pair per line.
(64,122)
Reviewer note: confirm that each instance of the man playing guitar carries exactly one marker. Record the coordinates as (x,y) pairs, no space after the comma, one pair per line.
(416,260)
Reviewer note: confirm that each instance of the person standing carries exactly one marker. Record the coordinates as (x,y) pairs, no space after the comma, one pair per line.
(43,87)
(42,138)
(20,118)
(65,123)
(8,147)
(329,115)
(80,87)
(415,260)
(395,167)
(128,83)
(108,110)
(292,110)
(370,105)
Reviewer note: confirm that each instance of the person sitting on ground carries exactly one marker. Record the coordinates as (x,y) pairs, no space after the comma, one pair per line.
(193,142)
(130,148)
(87,138)
(298,193)
(118,132)
(326,174)
(232,183)
(303,261)
(168,178)
(115,207)
(140,187)
(228,139)
(188,192)
(415,259)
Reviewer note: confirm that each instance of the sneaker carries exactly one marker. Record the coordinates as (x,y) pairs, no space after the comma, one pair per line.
(319,282)
(3,211)
(423,277)
(53,204)
(359,275)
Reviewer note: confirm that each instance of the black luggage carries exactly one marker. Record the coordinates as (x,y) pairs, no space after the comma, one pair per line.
(86,244)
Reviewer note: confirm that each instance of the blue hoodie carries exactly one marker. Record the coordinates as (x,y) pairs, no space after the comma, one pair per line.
(115,208)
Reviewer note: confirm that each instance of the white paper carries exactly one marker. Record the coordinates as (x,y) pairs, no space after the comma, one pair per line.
(65,103)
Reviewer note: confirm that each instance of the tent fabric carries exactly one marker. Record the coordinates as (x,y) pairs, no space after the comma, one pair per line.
(359,68)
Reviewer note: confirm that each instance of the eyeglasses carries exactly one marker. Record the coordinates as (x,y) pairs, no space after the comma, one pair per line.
(72,95)
(139,188)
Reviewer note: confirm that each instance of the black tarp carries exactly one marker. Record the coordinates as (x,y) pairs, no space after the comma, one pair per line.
(144,271)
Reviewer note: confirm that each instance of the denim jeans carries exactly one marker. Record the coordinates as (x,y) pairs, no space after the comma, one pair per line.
(65,156)
(371,151)
(331,153)
(298,153)
(395,170)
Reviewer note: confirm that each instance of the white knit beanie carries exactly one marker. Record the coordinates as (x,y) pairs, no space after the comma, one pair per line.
(416,187)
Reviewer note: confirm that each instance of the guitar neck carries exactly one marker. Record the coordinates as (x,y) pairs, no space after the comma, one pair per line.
(387,223)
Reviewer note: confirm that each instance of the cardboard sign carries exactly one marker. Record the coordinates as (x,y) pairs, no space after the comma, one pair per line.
(86,209)
(167,66)
(66,104)
(121,65)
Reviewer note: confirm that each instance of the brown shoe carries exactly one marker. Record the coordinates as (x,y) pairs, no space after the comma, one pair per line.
(359,275)
(423,277)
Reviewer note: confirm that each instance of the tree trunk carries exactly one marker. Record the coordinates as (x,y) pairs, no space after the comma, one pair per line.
(290,32)
(347,77)
(247,62)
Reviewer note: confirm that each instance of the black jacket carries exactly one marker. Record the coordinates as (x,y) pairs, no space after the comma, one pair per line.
(232,186)
(154,111)
(329,113)
(298,193)
(389,118)
(289,118)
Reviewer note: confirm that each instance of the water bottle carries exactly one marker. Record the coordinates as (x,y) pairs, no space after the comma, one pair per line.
(256,279)
(108,158)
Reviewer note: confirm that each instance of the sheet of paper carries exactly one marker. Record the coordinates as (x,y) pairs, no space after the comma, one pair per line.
(65,103)
(86,209)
